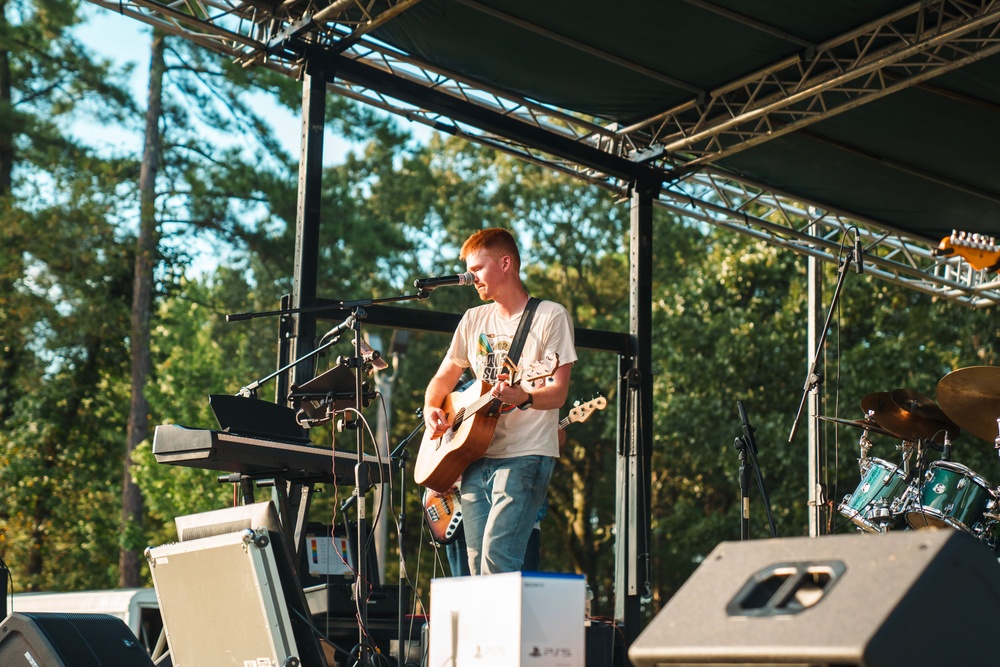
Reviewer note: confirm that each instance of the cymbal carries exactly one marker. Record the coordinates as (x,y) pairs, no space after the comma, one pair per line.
(911,426)
(923,406)
(865,424)
(971,397)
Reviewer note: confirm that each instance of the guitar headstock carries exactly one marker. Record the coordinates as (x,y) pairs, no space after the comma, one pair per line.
(980,251)
(581,412)
(542,368)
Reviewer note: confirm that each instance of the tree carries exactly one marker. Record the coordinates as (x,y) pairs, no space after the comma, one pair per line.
(61,285)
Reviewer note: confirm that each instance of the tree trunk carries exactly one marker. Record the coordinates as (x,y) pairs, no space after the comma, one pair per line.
(8,346)
(6,110)
(142,306)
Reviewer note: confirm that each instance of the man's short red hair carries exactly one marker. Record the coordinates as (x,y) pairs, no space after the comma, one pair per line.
(496,241)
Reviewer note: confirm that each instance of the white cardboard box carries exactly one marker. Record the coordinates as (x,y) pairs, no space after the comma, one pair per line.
(508,620)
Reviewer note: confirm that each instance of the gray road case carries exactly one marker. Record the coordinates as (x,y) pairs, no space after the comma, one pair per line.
(222,602)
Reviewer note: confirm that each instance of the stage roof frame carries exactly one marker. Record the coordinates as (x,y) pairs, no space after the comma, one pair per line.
(787,122)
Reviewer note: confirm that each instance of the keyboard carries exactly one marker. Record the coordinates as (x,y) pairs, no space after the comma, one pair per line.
(259,457)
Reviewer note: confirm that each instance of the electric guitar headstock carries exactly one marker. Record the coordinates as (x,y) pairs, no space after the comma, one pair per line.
(582,411)
(979,250)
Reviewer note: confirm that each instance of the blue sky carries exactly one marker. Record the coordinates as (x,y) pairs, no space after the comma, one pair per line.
(125,40)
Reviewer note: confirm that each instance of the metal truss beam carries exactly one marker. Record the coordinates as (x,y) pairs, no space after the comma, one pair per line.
(918,42)
(869,62)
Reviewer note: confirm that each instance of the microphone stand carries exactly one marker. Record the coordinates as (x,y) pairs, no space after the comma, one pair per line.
(747,445)
(813,378)
(250,390)
(401,456)
(362,479)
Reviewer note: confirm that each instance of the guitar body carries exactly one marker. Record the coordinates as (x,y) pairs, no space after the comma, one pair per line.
(443,515)
(440,462)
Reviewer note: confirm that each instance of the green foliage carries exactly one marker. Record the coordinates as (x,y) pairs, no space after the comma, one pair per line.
(728,313)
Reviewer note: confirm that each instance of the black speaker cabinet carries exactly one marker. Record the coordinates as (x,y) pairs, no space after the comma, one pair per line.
(69,640)
(927,597)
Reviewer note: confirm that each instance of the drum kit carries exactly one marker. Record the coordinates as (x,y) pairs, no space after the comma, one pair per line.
(919,492)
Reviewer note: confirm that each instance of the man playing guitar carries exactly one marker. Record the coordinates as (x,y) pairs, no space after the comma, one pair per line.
(502,491)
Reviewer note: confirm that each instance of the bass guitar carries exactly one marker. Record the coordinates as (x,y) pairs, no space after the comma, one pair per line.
(443,511)
(472,414)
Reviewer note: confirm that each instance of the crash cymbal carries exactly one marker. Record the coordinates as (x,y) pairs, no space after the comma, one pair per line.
(923,406)
(971,398)
(865,424)
(880,408)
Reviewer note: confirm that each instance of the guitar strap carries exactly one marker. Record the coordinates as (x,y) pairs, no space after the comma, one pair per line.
(514,353)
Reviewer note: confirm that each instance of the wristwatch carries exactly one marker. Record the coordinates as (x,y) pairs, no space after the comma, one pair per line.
(527,403)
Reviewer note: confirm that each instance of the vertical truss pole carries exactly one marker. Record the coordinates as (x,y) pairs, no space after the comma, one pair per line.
(817,492)
(308,212)
(634,478)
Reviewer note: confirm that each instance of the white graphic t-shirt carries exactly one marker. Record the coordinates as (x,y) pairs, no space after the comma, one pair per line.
(481,342)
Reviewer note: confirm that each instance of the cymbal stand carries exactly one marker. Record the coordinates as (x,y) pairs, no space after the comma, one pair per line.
(992,513)
(865,445)
(996,441)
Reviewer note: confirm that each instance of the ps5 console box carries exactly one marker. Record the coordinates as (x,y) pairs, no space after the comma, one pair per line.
(508,620)
(222,601)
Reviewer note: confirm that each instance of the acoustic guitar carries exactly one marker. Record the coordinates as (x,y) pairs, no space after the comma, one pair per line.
(472,414)
(443,511)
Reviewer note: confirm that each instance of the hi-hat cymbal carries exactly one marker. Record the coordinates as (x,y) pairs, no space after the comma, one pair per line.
(911,426)
(865,424)
(971,398)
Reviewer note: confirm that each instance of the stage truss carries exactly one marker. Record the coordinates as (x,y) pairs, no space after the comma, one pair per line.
(676,148)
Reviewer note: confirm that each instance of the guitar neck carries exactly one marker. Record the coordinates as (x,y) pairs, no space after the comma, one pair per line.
(479,403)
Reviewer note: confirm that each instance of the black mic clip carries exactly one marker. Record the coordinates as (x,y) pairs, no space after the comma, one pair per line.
(859,262)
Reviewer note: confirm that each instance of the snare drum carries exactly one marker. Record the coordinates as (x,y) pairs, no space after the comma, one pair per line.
(951,495)
(877,503)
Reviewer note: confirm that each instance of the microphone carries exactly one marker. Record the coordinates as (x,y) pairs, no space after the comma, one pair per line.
(859,262)
(338,330)
(438,281)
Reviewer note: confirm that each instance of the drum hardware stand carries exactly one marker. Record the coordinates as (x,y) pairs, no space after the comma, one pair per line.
(747,446)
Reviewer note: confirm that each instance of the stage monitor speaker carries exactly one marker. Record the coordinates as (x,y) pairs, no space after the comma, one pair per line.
(69,640)
(928,597)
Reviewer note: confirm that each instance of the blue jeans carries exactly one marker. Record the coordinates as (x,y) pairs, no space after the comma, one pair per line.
(500,501)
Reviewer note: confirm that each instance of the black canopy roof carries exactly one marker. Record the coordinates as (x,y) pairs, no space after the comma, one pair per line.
(920,159)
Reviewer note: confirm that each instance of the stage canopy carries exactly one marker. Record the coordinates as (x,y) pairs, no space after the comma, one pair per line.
(874,114)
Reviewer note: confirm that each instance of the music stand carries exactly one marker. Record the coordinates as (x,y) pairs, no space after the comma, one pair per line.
(326,394)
